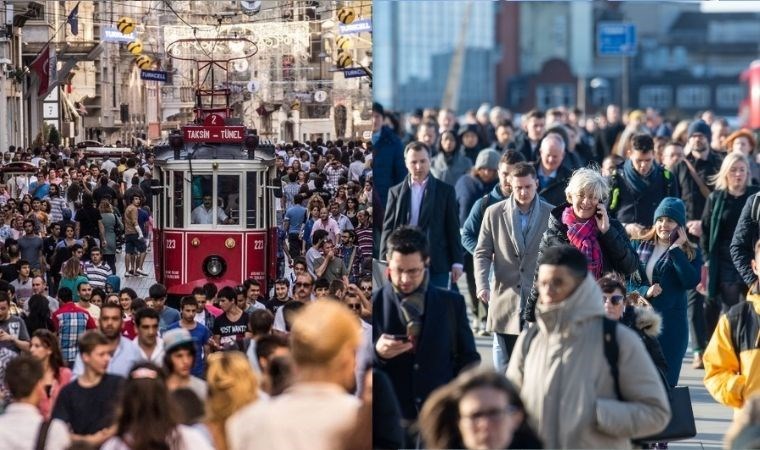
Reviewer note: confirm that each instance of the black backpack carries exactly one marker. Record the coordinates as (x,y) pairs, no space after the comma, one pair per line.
(611,350)
(744,323)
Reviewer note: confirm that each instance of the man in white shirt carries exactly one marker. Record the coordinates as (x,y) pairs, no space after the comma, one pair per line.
(151,346)
(203,214)
(20,425)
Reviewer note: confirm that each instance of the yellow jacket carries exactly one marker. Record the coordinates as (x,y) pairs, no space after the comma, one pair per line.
(731,380)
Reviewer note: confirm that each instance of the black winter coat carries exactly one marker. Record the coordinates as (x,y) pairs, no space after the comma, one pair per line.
(647,323)
(617,253)
(743,243)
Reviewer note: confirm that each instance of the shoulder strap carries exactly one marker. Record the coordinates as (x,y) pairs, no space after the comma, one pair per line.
(611,352)
(703,189)
(615,189)
(739,317)
(755,208)
(530,333)
(484,203)
(42,435)
(668,176)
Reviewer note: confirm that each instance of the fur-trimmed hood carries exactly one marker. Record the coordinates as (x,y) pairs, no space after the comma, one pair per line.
(648,321)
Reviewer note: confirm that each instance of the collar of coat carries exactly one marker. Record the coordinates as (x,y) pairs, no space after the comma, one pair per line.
(584,303)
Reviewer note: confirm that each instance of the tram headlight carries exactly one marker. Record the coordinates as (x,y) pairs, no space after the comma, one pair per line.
(214,266)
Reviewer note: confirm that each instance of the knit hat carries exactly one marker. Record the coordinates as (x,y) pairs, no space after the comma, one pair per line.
(176,337)
(488,159)
(378,108)
(700,126)
(673,208)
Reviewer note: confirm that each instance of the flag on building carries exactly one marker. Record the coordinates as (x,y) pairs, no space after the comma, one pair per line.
(44,66)
(73,20)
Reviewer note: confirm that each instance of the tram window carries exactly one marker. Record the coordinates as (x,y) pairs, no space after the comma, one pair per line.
(179,199)
(251,186)
(205,206)
(228,198)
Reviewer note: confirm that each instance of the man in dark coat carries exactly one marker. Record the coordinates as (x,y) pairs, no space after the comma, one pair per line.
(527,141)
(693,174)
(552,174)
(638,187)
(605,138)
(428,203)
(387,163)
(420,332)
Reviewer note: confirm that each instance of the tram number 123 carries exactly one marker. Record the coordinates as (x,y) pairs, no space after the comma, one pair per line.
(171,244)
(258,245)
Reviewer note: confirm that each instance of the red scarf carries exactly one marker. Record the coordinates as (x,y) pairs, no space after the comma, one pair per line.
(584,237)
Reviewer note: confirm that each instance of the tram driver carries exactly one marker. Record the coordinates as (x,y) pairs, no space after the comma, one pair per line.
(203,214)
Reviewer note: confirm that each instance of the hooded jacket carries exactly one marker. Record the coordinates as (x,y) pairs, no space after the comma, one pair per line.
(733,374)
(648,324)
(450,168)
(566,384)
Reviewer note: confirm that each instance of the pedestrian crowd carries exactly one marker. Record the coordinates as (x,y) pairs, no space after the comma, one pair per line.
(85,362)
(594,250)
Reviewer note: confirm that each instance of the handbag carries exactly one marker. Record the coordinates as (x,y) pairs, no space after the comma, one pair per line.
(681,425)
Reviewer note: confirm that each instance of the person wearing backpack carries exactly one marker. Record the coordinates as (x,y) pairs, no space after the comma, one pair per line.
(567,364)
(732,357)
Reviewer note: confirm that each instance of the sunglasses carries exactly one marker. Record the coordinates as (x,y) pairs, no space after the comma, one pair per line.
(614,299)
(355,306)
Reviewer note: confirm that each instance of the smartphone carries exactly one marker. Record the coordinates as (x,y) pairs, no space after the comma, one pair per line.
(400,337)
(599,212)
(674,236)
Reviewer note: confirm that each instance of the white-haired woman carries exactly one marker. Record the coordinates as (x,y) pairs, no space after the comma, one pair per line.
(583,222)
(725,286)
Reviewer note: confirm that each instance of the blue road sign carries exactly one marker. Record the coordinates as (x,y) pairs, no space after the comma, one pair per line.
(616,39)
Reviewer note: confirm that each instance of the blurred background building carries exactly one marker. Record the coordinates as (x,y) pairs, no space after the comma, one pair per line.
(687,56)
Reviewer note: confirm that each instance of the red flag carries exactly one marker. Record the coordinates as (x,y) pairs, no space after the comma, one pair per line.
(41,67)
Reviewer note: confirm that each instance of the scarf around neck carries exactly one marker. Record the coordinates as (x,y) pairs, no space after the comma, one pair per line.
(636,181)
(585,237)
(412,307)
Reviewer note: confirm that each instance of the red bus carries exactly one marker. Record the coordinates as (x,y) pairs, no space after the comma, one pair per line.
(749,111)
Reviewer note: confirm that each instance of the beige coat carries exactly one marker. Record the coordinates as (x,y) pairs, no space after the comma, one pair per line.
(514,261)
(565,380)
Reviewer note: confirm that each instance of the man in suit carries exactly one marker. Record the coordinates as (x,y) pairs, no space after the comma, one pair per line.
(422,339)
(508,241)
(429,204)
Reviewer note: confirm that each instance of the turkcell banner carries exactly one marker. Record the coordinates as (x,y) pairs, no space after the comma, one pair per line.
(154,75)
(356,27)
(109,33)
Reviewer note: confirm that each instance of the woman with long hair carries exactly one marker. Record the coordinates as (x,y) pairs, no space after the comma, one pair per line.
(72,275)
(147,417)
(725,286)
(669,265)
(38,317)
(479,410)
(45,347)
(232,384)
(352,207)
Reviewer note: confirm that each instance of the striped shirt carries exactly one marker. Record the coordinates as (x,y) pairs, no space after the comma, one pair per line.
(97,274)
(56,209)
(364,240)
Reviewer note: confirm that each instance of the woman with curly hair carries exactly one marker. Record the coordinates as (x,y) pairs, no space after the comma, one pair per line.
(480,410)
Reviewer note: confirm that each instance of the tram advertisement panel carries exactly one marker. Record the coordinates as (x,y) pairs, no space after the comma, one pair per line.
(256,256)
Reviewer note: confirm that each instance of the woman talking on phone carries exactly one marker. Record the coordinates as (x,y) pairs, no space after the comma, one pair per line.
(669,266)
(583,222)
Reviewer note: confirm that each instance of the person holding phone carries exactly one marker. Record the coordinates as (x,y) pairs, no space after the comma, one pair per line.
(669,265)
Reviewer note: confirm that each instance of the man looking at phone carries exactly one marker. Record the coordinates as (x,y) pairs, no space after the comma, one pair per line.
(416,362)
(638,187)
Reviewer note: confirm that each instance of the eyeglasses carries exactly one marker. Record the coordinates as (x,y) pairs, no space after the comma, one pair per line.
(614,299)
(410,272)
(299,285)
(491,414)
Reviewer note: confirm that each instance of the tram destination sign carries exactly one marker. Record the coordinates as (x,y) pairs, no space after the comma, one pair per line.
(226,134)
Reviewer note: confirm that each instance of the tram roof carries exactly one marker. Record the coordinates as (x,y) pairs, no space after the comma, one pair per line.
(19,167)
(210,152)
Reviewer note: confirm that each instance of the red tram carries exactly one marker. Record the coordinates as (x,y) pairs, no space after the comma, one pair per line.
(214,211)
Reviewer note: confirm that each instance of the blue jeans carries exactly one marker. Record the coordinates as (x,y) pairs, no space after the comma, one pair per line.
(503,345)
